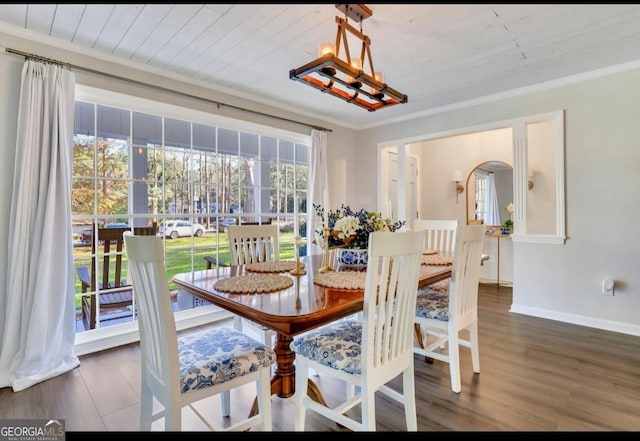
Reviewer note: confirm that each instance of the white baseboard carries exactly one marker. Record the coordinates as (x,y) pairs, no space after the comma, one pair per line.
(607,325)
(493,282)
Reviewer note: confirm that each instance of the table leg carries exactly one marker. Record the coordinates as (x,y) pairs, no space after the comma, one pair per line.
(283,383)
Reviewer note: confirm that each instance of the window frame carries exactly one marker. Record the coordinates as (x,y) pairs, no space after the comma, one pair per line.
(99,338)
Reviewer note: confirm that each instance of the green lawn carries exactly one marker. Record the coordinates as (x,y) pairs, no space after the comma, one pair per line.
(179,257)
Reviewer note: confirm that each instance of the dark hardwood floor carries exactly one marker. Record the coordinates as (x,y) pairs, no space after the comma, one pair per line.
(536,375)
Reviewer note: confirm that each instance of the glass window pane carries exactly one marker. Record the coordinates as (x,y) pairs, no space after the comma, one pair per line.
(84,118)
(177,133)
(204,137)
(248,144)
(227,141)
(268,148)
(147,129)
(285,149)
(113,123)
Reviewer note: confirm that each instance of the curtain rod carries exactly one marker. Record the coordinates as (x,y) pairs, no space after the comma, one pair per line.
(154,86)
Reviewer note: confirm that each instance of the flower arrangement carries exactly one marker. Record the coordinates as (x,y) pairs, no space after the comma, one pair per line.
(351,228)
(508,223)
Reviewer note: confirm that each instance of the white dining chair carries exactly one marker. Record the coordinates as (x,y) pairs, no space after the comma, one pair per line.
(442,317)
(178,370)
(439,234)
(371,352)
(252,244)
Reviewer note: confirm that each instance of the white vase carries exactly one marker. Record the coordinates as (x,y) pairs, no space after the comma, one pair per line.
(352,258)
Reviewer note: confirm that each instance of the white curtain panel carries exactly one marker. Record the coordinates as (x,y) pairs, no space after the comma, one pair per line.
(493,211)
(318,182)
(39,320)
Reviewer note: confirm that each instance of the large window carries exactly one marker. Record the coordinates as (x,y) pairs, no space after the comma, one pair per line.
(137,169)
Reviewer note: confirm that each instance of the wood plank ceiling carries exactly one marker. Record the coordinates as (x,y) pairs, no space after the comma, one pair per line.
(440,55)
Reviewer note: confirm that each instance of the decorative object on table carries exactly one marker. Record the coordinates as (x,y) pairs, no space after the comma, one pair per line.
(254,284)
(299,269)
(326,268)
(350,228)
(341,279)
(345,228)
(428,251)
(277,266)
(352,258)
(507,225)
(437,260)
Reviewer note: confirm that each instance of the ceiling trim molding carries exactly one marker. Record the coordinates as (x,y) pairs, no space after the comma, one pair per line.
(528,90)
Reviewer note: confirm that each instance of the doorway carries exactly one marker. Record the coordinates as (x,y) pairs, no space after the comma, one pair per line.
(391,207)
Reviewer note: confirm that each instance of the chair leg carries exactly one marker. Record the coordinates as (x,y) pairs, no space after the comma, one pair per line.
(454,361)
(263,387)
(475,350)
(225,402)
(173,417)
(146,408)
(421,340)
(237,323)
(351,390)
(302,381)
(368,409)
(409,392)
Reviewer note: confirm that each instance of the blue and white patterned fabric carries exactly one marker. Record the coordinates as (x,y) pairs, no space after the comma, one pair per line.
(216,355)
(441,286)
(337,345)
(432,304)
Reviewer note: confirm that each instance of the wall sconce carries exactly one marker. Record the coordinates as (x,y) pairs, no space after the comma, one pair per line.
(530,178)
(457,178)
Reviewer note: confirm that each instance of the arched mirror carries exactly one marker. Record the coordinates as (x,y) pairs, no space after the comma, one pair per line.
(489,192)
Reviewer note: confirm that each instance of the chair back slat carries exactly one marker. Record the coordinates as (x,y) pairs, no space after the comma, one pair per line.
(253,243)
(112,242)
(440,234)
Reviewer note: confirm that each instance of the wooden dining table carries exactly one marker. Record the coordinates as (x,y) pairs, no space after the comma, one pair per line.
(289,312)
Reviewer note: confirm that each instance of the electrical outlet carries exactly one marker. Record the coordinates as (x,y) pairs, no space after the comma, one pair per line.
(607,287)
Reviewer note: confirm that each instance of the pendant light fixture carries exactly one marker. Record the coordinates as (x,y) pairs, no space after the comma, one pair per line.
(352,79)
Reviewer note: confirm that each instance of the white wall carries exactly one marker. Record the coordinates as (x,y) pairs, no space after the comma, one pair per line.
(602,156)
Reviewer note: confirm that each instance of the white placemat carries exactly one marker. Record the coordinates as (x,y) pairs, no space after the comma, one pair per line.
(437,260)
(341,279)
(253,283)
(276,266)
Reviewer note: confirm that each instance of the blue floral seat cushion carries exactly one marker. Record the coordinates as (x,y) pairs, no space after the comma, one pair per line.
(432,304)
(441,286)
(217,355)
(337,345)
